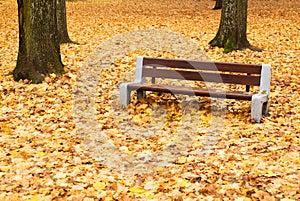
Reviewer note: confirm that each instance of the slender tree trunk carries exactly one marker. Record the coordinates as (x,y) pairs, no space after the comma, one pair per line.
(218,4)
(63,35)
(39,50)
(232,33)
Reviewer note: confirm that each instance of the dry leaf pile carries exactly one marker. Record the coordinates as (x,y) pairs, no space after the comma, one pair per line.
(42,157)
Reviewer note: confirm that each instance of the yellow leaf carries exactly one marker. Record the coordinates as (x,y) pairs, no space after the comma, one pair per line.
(142,107)
(137,190)
(4,128)
(281,120)
(48,165)
(184,183)
(5,169)
(137,119)
(34,198)
(41,154)
(181,160)
(127,152)
(99,185)
(52,75)
(66,149)
(14,153)
(148,110)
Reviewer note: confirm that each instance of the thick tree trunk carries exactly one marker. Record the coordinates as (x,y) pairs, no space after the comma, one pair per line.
(218,4)
(232,33)
(39,51)
(63,35)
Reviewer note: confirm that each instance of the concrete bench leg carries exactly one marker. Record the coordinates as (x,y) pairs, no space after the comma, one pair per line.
(258,104)
(124,94)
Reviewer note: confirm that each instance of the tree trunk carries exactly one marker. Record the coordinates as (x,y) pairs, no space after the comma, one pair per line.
(232,33)
(218,4)
(39,50)
(63,35)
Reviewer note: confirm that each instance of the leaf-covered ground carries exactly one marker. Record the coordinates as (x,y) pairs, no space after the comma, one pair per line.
(43,158)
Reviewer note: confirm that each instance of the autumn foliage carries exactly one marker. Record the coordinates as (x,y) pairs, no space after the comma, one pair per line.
(43,158)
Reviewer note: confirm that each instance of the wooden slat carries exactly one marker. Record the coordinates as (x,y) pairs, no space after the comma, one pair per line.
(203,65)
(236,67)
(202,76)
(190,91)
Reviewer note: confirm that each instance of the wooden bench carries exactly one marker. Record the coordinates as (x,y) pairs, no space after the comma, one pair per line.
(217,72)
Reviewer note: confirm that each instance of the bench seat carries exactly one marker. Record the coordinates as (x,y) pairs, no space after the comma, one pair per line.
(192,91)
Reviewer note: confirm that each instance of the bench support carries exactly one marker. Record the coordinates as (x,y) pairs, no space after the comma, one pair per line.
(125,91)
(260,103)
(259,106)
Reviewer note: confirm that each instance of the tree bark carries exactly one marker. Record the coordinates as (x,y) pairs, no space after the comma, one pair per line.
(63,35)
(232,33)
(218,4)
(39,50)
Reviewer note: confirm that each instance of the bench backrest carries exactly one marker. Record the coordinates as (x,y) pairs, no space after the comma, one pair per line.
(232,73)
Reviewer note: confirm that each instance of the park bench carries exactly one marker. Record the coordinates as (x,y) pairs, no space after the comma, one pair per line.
(208,72)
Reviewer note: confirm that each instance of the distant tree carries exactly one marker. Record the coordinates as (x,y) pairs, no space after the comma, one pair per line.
(233,26)
(39,50)
(63,35)
(218,4)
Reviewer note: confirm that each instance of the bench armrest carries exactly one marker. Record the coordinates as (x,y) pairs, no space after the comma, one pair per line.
(259,106)
(125,93)
(138,78)
(265,79)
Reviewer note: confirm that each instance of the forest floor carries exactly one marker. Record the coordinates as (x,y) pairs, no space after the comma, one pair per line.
(45,155)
